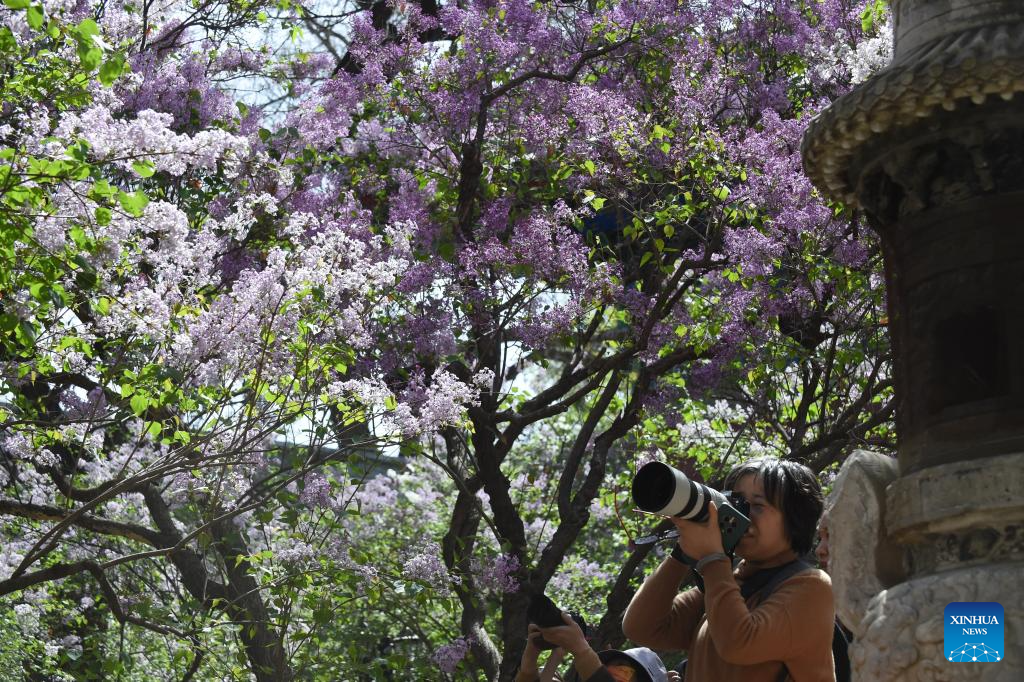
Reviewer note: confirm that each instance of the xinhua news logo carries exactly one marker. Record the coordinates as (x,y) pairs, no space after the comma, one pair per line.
(974,632)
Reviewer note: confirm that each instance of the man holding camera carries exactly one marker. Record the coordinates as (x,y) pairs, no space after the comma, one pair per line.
(632,665)
(770,620)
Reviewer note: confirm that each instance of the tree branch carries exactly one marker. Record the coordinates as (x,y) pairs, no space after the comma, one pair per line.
(96,524)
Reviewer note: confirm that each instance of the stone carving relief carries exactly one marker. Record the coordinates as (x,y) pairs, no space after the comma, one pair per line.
(863,561)
(902,631)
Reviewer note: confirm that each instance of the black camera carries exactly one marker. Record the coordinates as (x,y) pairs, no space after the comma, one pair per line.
(660,489)
(545,613)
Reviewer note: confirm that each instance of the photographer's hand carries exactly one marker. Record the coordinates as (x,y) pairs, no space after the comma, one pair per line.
(698,540)
(571,638)
(550,671)
(532,652)
(528,663)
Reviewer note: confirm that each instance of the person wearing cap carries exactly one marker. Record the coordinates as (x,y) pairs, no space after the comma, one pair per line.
(611,665)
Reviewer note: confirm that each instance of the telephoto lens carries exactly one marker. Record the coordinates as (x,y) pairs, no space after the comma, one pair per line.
(660,489)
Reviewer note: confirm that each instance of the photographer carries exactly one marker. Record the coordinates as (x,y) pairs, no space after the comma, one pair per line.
(632,665)
(731,632)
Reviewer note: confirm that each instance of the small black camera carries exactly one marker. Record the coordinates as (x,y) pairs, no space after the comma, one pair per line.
(545,613)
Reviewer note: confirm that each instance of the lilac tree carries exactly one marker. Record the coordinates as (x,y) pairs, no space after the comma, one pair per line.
(610,192)
(517,242)
(163,351)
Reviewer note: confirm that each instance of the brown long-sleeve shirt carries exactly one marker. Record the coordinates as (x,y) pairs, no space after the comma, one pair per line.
(732,640)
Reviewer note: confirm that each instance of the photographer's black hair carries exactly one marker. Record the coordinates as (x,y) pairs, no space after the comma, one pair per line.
(794,489)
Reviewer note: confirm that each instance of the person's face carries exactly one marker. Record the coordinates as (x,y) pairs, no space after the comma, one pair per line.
(821,551)
(621,671)
(766,537)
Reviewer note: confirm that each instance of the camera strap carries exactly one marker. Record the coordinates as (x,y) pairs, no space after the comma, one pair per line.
(840,643)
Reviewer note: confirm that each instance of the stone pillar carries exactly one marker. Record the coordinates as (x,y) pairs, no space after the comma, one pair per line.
(932,151)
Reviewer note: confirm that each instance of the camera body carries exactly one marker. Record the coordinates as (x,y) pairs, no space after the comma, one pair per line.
(660,489)
(546,614)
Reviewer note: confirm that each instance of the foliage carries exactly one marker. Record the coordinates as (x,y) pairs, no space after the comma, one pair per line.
(323,351)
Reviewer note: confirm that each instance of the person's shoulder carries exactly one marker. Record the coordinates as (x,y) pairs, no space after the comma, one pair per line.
(808,598)
(809,581)
(814,575)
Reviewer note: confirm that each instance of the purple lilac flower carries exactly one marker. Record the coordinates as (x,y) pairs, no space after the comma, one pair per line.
(448,656)
(426,566)
(317,491)
(499,574)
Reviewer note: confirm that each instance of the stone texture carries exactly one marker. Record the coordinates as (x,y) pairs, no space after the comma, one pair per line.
(920,22)
(902,636)
(862,559)
(969,494)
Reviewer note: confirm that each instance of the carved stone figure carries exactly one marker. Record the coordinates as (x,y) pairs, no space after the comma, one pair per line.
(862,559)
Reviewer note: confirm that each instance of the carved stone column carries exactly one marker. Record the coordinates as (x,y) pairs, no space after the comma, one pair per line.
(932,150)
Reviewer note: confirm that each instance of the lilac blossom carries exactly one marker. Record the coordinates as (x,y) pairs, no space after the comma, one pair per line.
(426,566)
(148,137)
(499,574)
(316,491)
(450,655)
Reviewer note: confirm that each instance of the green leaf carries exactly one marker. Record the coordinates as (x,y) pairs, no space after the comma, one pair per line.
(589,165)
(86,279)
(139,403)
(85,30)
(34,17)
(16,4)
(446,249)
(134,204)
(101,189)
(872,13)
(90,57)
(659,132)
(7,42)
(144,168)
(79,151)
(111,69)
(598,203)
(39,291)
(103,215)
